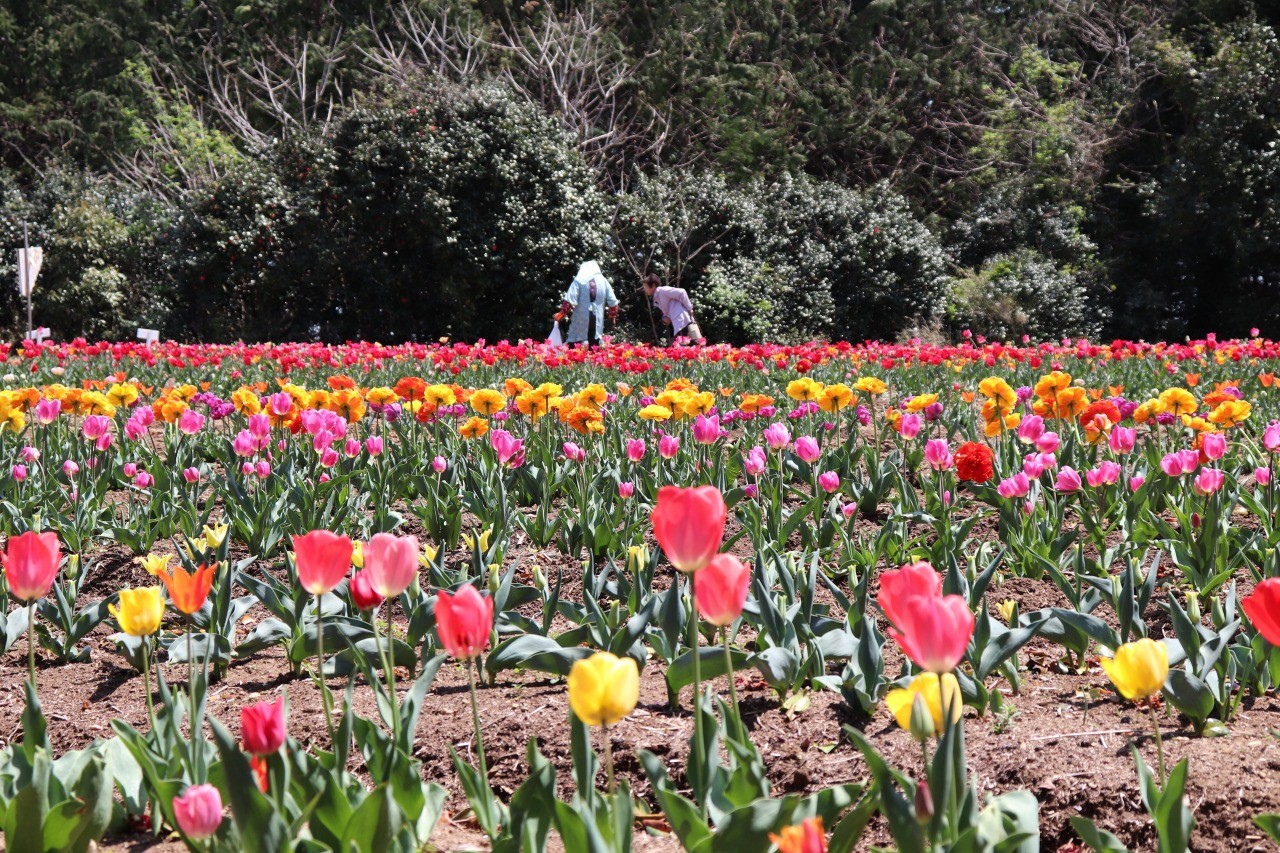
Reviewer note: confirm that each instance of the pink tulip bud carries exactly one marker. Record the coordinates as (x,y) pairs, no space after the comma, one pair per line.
(19,472)
(909,426)
(95,426)
(103,442)
(1068,480)
(190,422)
(143,480)
(47,410)
(329,458)
(574,453)
(70,468)
(29,455)
(1171,464)
(1271,437)
(247,469)
(198,812)
(751,490)
(259,426)
(1031,429)
(755,461)
(439,464)
(373,445)
(668,446)
(635,449)
(807,449)
(626,489)
(829,481)
(130,469)
(1262,475)
(352,448)
(391,563)
(848,510)
(1209,480)
(938,454)
(777,436)
(1214,445)
(1136,481)
(706,430)
(262,468)
(1122,439)
(1048,443)
(191,475)
(280,404)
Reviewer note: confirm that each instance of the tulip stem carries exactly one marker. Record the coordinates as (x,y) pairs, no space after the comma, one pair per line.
(608,756)
(1155,728)
(146,682)
(31,643)
(191,692)
(695,754)
(326,701)
(728,668)
(387,657)
(475,718)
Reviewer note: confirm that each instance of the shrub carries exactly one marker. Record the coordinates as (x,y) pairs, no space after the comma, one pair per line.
(1023,293)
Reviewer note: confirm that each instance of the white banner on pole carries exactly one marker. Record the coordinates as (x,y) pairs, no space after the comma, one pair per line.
(148,336)
(29,261)
(38,335)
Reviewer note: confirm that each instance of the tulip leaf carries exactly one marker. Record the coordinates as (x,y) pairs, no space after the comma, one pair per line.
(1269,822)
(265,634)
(536,652)
(712,665)
(1097,839)
(261,829)
(374,823)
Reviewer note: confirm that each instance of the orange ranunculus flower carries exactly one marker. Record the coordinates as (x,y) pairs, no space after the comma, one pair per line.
(439,395)
(698,403)
(586,420)
(833,398)
(188,591)
(871,385)
(474,428)
(594,395)
(338,382)
(1052,384)
(754,402)
(515,386)
(532,405)
(999,392)
(410,388)
(804,389)
(1230,413)
(246,401)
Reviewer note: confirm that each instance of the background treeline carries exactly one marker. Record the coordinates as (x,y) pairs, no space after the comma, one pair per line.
(273,169)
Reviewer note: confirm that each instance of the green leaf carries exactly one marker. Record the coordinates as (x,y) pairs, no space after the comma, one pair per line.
(261,829)
(374,824)
(1098,839)
(712,665)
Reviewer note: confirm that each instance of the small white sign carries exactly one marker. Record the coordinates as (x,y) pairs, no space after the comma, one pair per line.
(29,261)
(148,336)
(38,335)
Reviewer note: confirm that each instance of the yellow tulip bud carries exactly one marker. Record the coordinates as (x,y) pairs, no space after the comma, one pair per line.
(214,535)
(428,556)
(603,688)
(930,688)
(155,563)
(357,554)
(1138,669)
(140,610)
(1008,610)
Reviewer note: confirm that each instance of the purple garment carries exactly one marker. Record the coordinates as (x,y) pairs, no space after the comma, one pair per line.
(674,304)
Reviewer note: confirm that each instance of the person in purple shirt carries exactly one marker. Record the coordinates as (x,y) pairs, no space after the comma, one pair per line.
(677,310)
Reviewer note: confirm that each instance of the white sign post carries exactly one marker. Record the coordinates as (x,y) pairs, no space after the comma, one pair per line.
(29,260)
(148,336)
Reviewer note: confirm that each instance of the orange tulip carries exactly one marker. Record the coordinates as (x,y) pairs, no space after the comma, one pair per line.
(188,591)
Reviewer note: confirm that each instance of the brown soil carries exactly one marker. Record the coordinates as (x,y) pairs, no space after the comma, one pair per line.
(1067,741)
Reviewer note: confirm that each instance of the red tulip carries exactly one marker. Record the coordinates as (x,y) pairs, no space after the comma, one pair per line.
(1262,606)
(689,524)
(363,595)
(464,621)
(933,631)
(262,727)
(720,589)
(897,585)
(323,559)
(391,563)
(30,564)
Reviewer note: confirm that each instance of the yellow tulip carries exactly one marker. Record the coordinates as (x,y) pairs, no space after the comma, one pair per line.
(928,686)
(1138,669)
(140,610)
(428,556)
(603,688)
(357,554)
(155,563)
(214,535)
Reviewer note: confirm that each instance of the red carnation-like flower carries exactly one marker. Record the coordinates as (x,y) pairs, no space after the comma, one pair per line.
(973,462)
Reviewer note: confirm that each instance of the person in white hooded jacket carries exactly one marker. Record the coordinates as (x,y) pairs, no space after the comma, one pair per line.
(589,296)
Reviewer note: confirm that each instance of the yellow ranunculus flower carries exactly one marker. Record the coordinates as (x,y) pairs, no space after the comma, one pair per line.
(930,687)
(140,610)
(487,401)
(871,385)
(603,688)
(654,412)
(1138,669)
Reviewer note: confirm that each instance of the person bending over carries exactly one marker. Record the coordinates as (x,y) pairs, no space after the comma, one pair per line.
(677,310)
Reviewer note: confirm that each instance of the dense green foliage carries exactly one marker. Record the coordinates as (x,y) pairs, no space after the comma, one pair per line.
(339,168)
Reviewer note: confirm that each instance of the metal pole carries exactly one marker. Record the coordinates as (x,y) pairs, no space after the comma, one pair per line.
(26,282)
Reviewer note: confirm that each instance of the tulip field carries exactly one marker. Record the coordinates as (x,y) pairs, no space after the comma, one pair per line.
(509,597)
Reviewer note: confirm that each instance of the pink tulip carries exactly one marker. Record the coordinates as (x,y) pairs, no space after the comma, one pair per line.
(198,812)
(668,446)
(373,445)
(130,469)
(829,481)
(262,726)
(1262,475)
(352,448)
(103,442)
(689,525)
(1016,486)
(938,454)
(1068,480)
(47,410)
(510,449)
(260,426)
(1106,474)
(777,436)
(807,449)
(19,472)
(1171,464)
(134,429)
(1209,480)
(191,475)
(755,462)
(1122,439)
(1271,437)
(95,426)
(848,510)
(1032,465)
(706,429)
(29,455)
(190,422)
(720,589)
(897,585)
(626,489)
(244,444)
(391,563)
(574,453)
(1214,445)
(934,631)
(280,404)
(262,468)
(247,469)
(1190,460)
(635,449)
(31,564)
(751,491)
(329,458)
(322,559)
(70,468)
(1136,481)
(909,426)
(1048,443)
(439,464)
(1031,428)
(143,480)
(464,621)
